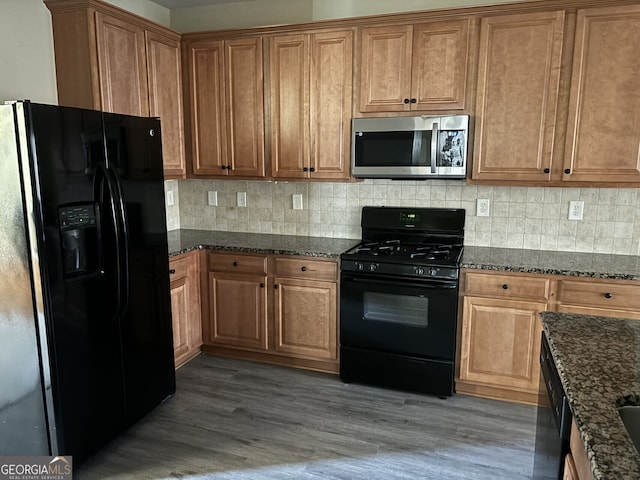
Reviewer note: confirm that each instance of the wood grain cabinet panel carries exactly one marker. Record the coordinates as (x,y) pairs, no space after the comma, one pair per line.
(109,59)
(185,307)
(226,107)
(517,96)
(310,91)
(414,67)
(603,136)
(599,297)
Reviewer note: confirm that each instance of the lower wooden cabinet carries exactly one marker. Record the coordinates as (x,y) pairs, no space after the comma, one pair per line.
(185,306)
(579,466)
(274,309)
(500,336)
(500,329)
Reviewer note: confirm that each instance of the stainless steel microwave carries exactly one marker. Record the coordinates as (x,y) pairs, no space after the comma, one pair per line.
(410,147)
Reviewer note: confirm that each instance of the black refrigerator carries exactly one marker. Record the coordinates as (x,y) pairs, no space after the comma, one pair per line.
(86,345)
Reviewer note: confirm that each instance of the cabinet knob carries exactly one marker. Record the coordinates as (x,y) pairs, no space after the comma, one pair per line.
(276,286)
(262,285)
(172,271)
(567,171)
(223,167)
(305,169)
(505,286)
(608,295)
(547,170)
(312,169)
(406,100)
(235,264)
(304,269)
(413,100)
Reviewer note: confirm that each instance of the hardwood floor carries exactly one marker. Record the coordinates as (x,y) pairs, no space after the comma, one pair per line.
(232,420)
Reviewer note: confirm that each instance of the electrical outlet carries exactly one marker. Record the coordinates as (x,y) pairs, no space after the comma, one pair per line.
(242,199)
(212,198)
(297,201)
(170,198)
(576,210)
(482,207)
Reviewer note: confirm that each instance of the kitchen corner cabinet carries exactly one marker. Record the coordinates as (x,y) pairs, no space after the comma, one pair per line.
(273,309)
(185,306)
(108,59)
(500,337)
(226,107)
(310,95)
(418,67)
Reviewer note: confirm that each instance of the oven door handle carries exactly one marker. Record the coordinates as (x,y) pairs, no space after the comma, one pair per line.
(427,284)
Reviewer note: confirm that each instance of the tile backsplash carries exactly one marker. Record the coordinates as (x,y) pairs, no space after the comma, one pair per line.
(520,217)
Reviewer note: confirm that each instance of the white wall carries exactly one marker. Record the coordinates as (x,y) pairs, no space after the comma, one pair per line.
(26,52)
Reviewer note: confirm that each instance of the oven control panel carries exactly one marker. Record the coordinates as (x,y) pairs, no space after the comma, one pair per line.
(419,271)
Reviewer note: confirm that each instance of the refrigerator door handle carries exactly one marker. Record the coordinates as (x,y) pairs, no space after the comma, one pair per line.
(101,179)
(123,239)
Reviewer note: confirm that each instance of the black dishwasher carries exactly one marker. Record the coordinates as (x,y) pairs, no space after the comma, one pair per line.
(553,424)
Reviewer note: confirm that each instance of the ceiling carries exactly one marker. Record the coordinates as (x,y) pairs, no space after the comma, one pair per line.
(171,4)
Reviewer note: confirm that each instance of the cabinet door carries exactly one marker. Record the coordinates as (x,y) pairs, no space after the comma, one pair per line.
(305,314)
(289,101)
(500,343)
(185,307)
(439,65)
(206,90)
(244,84)
(165,99)
(385,68)
(517,97)
(603,135)
(122,65)
(330,107)
(238,310)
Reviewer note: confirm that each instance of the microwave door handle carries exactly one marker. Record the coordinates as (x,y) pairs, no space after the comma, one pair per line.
(434,147)
(417,148)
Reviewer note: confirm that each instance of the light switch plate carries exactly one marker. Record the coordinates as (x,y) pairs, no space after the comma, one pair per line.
(212,198)
(242,199)
(297,201)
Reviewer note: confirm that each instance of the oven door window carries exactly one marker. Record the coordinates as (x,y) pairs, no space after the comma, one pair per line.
(398,309)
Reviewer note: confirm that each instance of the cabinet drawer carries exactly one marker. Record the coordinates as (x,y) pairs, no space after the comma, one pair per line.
(603,295)
(532,286)
(305,268)
(178,267)
(237,263)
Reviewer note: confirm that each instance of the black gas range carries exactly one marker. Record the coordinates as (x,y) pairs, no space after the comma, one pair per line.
(399,297)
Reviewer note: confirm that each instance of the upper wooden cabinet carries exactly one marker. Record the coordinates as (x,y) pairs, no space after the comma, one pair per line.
(557,109)
(310,92)
(414,67)
(226,103)
(603,134)
(517,97)
(108,59)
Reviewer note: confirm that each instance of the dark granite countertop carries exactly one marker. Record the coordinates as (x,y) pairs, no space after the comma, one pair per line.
(183,241)
(597,359)
(597,265)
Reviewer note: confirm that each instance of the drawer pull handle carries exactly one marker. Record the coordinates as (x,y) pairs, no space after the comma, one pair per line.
(172,271)
(505,286)
(304,269)
(608,295)
(235,264)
